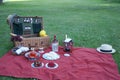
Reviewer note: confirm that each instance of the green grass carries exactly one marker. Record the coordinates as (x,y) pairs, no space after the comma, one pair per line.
(88,22)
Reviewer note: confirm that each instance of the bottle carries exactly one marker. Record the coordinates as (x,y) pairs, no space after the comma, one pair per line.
(55,44)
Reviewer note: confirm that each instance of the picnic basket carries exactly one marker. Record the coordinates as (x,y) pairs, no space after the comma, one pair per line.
(28,28)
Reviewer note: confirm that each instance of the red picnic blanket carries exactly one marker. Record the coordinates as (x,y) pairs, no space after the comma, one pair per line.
(83,64)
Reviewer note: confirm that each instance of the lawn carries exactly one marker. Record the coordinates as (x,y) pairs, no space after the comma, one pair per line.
(89,23)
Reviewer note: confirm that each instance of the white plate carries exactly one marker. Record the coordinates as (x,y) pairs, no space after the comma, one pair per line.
(26,55)
(32,65)
(56,66)
(66,54)
(49,56)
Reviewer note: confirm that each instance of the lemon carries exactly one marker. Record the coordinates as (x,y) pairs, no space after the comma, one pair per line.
(42,33)
(45,35)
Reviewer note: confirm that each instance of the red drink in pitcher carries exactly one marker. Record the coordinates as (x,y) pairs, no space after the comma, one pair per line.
(68,44)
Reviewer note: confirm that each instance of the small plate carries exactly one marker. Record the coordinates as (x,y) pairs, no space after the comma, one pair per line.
(35,58)
(56,66)
(66,54)
(32,65)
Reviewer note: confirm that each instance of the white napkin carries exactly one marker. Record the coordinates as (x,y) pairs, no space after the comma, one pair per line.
(22,49)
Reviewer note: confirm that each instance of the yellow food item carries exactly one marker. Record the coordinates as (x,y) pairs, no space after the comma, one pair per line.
(42,33)
(45,35)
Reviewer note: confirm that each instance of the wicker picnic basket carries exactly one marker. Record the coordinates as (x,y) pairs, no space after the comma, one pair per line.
(28,28)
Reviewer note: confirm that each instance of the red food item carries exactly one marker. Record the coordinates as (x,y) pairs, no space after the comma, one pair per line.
(51,64)
(32,54)
(37,63)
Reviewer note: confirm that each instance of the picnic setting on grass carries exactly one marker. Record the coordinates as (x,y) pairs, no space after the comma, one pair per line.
(35,56)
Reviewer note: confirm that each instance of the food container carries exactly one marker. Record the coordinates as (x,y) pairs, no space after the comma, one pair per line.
(28,28)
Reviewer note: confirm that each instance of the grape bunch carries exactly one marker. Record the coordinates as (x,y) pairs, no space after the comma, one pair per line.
(16,38)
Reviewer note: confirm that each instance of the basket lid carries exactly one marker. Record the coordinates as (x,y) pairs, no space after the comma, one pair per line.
(26,25)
